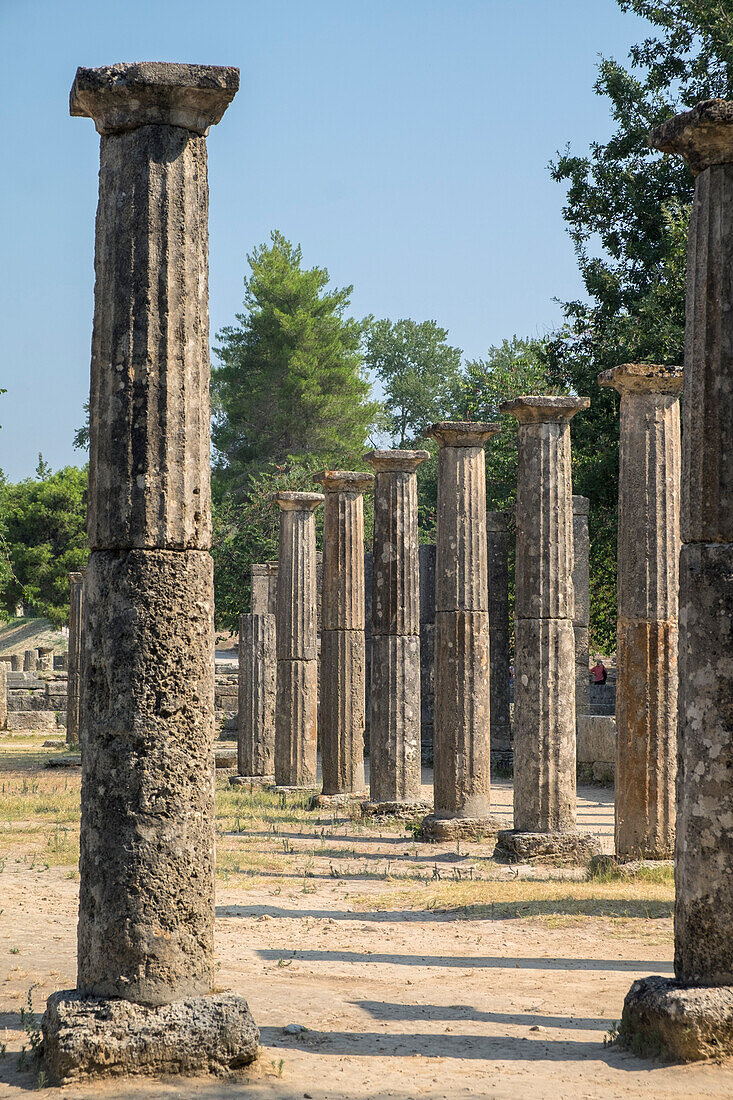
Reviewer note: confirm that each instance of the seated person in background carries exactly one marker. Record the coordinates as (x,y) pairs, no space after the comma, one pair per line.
(599,672)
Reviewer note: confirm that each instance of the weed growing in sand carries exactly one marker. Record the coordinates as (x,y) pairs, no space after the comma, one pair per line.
(14,950)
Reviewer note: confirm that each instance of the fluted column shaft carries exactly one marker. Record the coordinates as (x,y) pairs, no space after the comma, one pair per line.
(75,650)
(581,593)
(395,659)
(648,582)
(343,688)
(256,696)
(146,909)
(462,755)
(263,592)
(544,663)
(497,573)
(296,711)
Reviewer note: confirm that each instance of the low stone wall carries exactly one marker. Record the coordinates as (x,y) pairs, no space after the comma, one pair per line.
(596,748)
(35,702)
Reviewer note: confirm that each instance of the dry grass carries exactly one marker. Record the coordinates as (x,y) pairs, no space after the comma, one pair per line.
(264,837)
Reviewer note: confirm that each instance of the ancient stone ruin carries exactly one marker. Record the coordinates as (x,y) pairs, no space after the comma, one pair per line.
(143,1001)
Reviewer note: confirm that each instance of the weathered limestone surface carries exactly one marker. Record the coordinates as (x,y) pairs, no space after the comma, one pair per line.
(3,694)
(395,719)
(75,650)
(296,711)
(146,906)
(544,724)
(343,688)
(689,1022)
(16,662)
(263,593)
(498,590)
(88,1037)
(296,718)
(396,581)
(394,695)
(296,579)
(648,582)
(45,658)
(30,660)
(581,592)
(544,664)
(462,755)
(256,696)
(427,553)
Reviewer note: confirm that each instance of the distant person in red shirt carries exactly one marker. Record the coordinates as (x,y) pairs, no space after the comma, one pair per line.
(599,672)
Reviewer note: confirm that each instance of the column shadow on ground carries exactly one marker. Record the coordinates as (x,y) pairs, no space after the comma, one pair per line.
(468,962)
(384,1010)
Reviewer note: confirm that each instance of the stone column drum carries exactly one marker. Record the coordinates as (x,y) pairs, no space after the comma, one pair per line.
(648,583)
(343,686)
(497,572)
(581,592)
(146,908)
(3,693)
(296,708)
(462,754)
(76,617)
(263,590)
(256,682)
(394,693)
(30,660)
(544,663)
(691,1016)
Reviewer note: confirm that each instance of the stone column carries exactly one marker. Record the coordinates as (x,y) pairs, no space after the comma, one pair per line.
(394,761)
(648,583)
(497,570)
(342,633)
(462,755)
(257,677)
(544,662)
(45,657)
(581,591)
(30,660)
(263,599)
(146,908)
(296,710)
(691,1016)
(16,662)
(426,553)
(3,693)
(76,616)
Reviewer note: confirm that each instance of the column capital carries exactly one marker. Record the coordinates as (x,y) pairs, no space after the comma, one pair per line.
(396,462)
(299,502)
(703,136)
(643,378)
(126,96)
(76,577)
(581,506)
(462,433)
(543,408)
(345,481)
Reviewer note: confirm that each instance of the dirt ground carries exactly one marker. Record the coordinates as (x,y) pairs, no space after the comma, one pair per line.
(417,970)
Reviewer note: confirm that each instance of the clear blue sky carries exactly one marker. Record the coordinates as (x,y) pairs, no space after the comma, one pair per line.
(404,143)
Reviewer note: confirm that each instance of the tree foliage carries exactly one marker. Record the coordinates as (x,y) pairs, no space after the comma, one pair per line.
(290,380)
(419,372)
(627,212)
(44,528)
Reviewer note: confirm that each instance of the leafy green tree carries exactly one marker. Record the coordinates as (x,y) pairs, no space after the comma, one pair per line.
(627,212)
(245,531)
(419,372)
(291,378)
(44,528)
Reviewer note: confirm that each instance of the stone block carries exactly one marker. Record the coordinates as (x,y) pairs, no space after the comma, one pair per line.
(596,739)
(21,720)
(91,1037)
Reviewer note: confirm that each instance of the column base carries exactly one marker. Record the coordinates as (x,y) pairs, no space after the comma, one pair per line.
(663,1018)
(251,780)
(439,827)
(518,847)
(401,810)
(86,1037)
(626,868)
(335,801)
